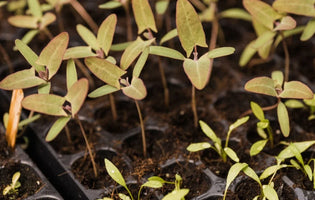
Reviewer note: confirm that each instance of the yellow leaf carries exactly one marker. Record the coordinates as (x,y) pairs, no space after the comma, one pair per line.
(143,15)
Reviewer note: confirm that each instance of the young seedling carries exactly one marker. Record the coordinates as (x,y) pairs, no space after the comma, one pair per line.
(154,182)
(276,87)
(223,151)
(306,104)
(12,189)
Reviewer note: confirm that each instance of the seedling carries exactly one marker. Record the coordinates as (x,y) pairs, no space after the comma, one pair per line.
(12,189)
(306,104)
(153,182)
(276,87)
(223,151)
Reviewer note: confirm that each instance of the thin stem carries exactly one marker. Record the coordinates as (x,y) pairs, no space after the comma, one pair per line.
(269,130)
(215,29)
(87,145)
(113,106)
(128,21)
(60,21)
(198,5)
(85,72)
(85,15)
(164,82)
(286,59)
(144,144)
(267,108)
(48,33)
(68,134)
(194,106)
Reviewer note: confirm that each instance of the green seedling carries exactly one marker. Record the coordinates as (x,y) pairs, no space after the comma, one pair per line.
(306,104)
(223,151)
(267,191)
(12,189)
(37,21)
(276,87)
(295,150)
(154,182)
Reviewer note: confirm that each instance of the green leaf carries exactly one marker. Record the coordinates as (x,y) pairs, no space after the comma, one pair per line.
(232,174)
(110,5)
(88,37)
(28,121)
(261,85)
(136,90)
(114,173)
(236,13)
(294,104)
(220,52)
(28,54)
(176,194)
(308,171)
(120,46)
(231,153)
(305,7)
(263,124)
(247,54)
(34,7)
(238,123)
(157,178)
(28,37)
(189,27)
(168,36)
(44,88)
(257,147)
(198,71)
(194,147)
(262,12)
(47,19)
(257,110)
(123,196)
(78,52)
(270,193)
(105,70)
(76,95)
(309,30)
(161,6)
(301,146)
(286,23)
(143,15)
(140,63)
(263,39)
(21,79)
(166,52)
(133,51)
(45,103)
(153,184)
(57,128)
(283,118)
(287,34)
(23,21)
(106,32)
(71,74)
(51,56)
(310,102)
(277,76)
(103,90)
(209,132)
(252,174)
(296,90)
(271,170)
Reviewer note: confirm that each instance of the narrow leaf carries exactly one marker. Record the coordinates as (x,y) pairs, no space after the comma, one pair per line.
(143,15)
(45,103)
(283,118)
(168,36)
(51,56)
(232,174)
(123,196)
(271,170)
(140,63)
(166,52)
(270,193)
(176,194)
(56,128)
(20,80)
(301,146)
(161,6)
(305,7)
(105,70)
(236,13)
(261,85)
(106,32)
(257,147)
(252,174)
(220,52)
(114,173)
(309,30)
(153,184)
(194,147)
(110,5)
(247,54)
(238,123)
(88,37)
(120,46)
(133,51)
(136,90)
(189,27)
(27,38)
(23,21)
(79,52)
(34,7)
(257,110)
(71,74)
(231,153)
(101,91)
(209,132)
(296,90)
(76,95)
(264,39)
(198,71)
(294,104)
(47,19)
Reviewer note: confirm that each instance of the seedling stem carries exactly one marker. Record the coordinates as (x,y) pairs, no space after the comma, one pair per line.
(144,144)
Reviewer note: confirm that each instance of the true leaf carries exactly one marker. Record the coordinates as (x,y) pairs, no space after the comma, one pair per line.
(296,90)
(189,27)
(194,147)
(198,71)
(114,173)
(45,103)
(257,110)
(261,85)
(23,21)
(209,132)
(140,63)
(168,36)
(105,70)
(286,23)
(262,12)
(166,52)
(309,30)
(78,52)
(271,170)
(133,51)
(270,193)
(51,56)
(56,128)
(220,52)
(20,80)
(76,95)
(136,90)
(305,7)
(301,146)
(236,13)
(257,147)
(231,153)
(88,37)
(103,90)
(106,32)
(176,194)
(143,15)
(283,118)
